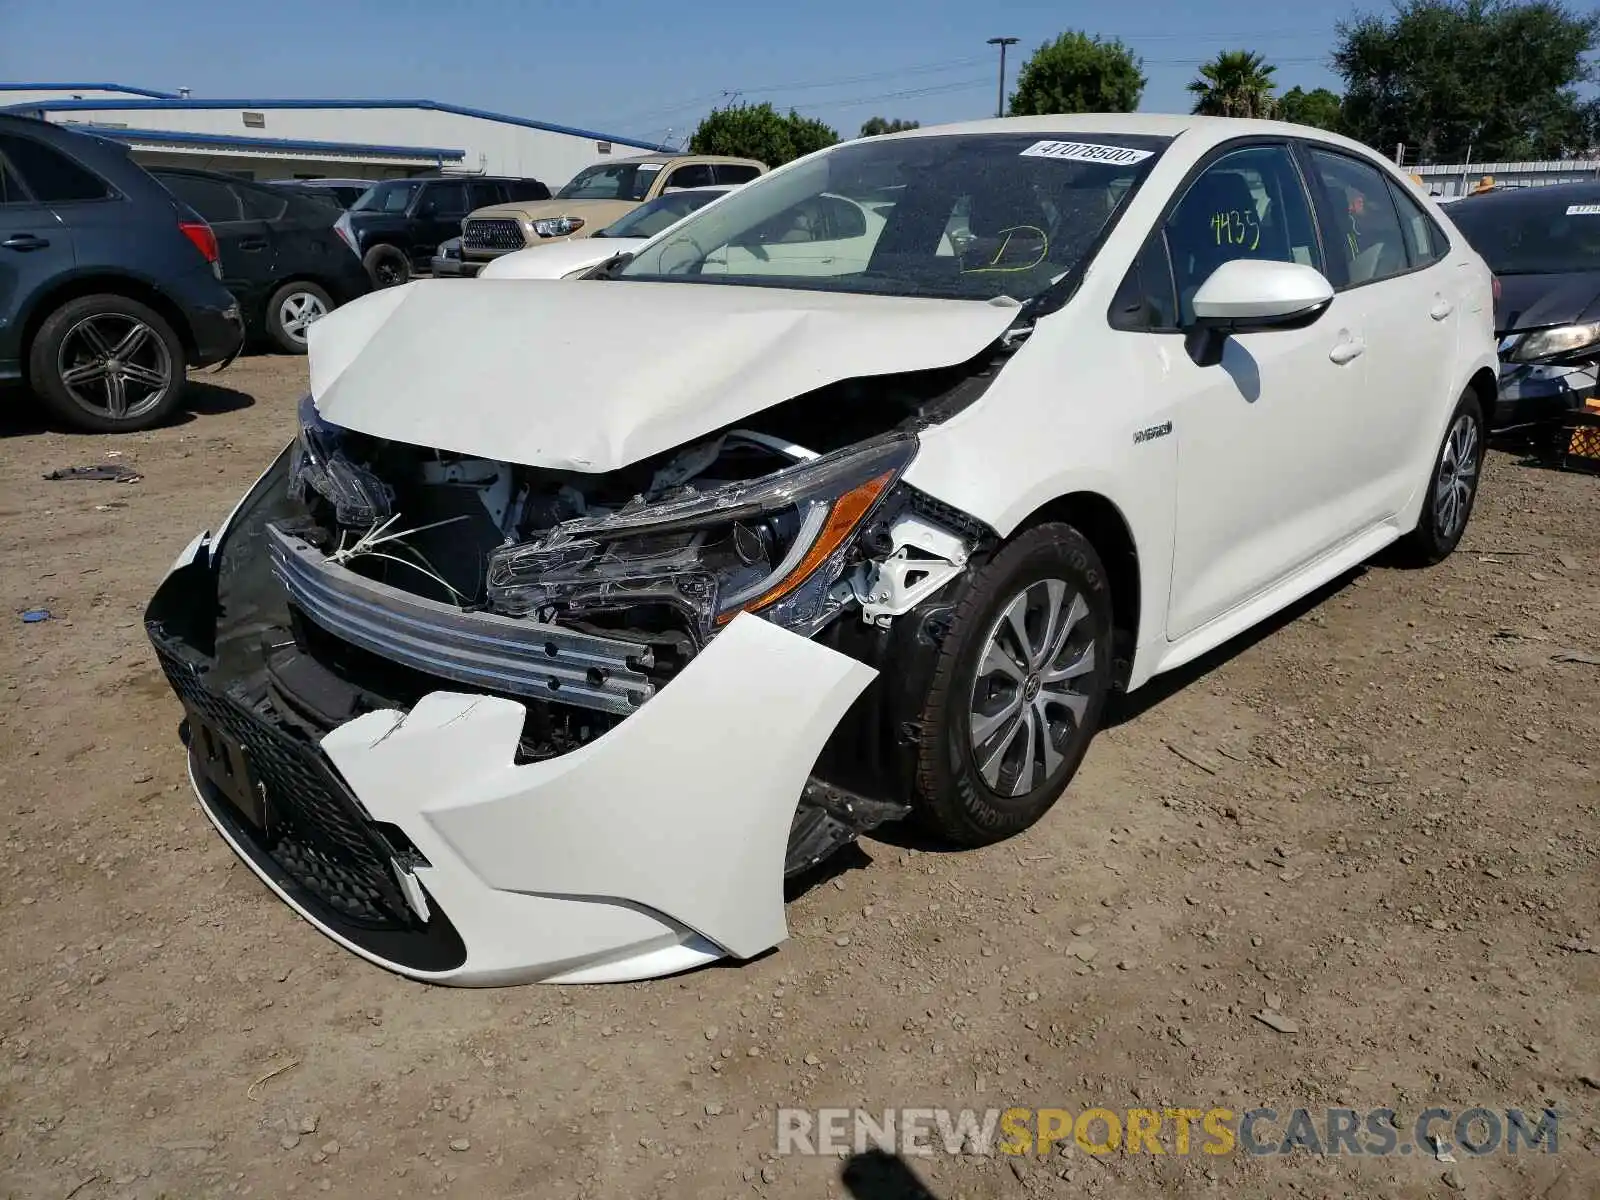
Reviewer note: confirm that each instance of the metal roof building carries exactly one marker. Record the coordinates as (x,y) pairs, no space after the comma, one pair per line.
(282,139)
(1457,179)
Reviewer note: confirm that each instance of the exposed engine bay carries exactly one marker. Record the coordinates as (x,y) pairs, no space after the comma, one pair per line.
(362,574)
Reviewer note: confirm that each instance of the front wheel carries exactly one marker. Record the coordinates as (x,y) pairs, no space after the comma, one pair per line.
(387,266)
(1018,688)
(1452,486)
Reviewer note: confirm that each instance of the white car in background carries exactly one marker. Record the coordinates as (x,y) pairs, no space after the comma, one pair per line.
(534,660)
(569,259)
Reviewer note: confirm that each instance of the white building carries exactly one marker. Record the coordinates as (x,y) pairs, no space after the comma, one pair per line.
(286,139)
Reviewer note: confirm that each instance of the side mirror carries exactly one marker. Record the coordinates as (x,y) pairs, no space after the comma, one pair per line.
(1251,296)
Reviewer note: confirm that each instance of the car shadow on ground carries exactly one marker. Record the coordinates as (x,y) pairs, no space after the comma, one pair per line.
(21,415)
(878,1175)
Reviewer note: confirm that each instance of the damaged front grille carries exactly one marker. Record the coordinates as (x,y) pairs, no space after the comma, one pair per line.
(509,655)
(317,834)
(492,235)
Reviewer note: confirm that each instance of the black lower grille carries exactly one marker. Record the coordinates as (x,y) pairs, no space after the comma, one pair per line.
(492,235)
(317,834)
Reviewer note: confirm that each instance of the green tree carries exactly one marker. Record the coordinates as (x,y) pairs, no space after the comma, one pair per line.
(1078,73)
(1318,107)
(759,131)
(1497,77)
(873,126)
(1237,83)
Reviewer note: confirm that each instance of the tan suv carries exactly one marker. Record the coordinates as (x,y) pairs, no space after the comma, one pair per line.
(597,196)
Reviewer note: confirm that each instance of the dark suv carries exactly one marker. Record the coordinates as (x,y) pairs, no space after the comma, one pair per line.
(280,256)
(396,226)
(108,285)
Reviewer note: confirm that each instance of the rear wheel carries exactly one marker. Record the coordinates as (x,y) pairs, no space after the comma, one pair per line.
(293,309)
(107,364)
(1018,689)
(387,266)
(1452,486)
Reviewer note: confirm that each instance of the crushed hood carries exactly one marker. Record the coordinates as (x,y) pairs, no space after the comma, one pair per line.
(593,376)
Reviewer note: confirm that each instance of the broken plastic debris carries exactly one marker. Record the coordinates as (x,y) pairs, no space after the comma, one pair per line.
(34,615)
(113,472)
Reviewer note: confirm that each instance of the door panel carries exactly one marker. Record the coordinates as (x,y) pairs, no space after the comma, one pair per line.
(1409,309)
(35,247)
(438,216)
(1262,476)
(1265,435)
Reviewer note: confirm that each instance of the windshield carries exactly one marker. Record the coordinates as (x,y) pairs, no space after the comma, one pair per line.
(394,197)
(650,219)
(963,216)
(1532,235)
(613,181)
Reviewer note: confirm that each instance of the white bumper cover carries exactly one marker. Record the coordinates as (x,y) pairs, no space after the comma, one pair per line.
(654,848)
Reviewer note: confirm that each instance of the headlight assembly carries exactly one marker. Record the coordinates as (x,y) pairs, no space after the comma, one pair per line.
(774,546)
(316,462)
(557,226)
(1554,343)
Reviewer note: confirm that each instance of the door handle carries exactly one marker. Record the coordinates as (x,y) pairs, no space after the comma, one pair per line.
(1441,309)
(25,241)
(1347,351)
(252,243)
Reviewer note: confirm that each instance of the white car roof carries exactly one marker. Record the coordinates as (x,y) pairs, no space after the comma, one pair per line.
(1208,130)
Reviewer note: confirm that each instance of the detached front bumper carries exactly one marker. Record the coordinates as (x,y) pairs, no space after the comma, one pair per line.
(418,841)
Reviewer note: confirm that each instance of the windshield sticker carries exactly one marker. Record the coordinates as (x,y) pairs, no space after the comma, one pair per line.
(650,168)
(1583,210)
(1120,156)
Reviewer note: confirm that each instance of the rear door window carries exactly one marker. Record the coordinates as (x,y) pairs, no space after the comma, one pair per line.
(691,175)
(259,204)
(1425,241)
(11,189)
(1359,223)
(50,175)
(214,200)
(735,173)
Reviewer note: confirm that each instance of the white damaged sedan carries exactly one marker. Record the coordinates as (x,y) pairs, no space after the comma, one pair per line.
(531,661)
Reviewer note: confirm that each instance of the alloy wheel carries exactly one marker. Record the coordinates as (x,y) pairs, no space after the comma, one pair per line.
(297,312)
(115,366)
(1026,698)
(1458,477)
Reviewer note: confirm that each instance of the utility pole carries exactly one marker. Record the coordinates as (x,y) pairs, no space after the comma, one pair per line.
(1002,42)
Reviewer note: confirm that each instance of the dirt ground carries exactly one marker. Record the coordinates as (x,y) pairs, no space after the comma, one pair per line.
(1380,817)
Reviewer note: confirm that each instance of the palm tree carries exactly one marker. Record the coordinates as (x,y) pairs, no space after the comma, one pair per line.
(1237,83)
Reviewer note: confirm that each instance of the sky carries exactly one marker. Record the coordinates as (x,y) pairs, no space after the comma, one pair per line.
(638,67)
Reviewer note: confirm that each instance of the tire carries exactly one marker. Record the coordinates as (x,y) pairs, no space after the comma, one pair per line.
(963,793)
(292,310)
(387,266)
(107,364)
(1452,486)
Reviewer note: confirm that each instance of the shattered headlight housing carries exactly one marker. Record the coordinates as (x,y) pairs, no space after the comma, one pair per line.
(557,226)
(317,463)
(1552,343)
(774,546)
